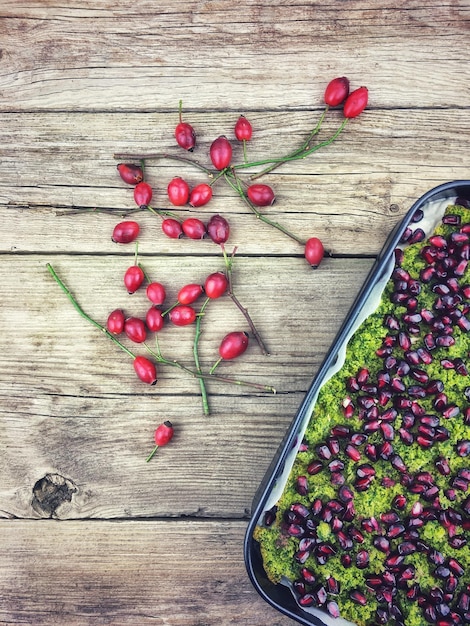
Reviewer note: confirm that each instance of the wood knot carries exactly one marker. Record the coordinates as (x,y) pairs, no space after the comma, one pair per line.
(50,492)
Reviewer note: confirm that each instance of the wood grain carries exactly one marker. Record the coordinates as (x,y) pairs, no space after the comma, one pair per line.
(89,532)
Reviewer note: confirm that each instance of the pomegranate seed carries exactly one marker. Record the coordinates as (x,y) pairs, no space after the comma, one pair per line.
(358,597)
(352,452)
(314,467)
(463,447)
(332,608)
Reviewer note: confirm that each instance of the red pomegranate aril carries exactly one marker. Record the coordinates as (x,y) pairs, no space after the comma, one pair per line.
(358,597)
(352,452)
(463,448)
(382,544)
(314,467)
(306,600)
(301,485)
(333,608)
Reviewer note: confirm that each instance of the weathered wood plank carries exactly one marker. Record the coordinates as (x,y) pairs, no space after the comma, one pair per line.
(167,573)
(81,57)
(339,194)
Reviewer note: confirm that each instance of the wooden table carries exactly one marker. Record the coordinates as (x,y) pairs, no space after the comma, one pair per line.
(89,532)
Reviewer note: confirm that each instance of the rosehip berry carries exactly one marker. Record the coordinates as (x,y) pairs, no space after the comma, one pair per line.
(194,228)
(243,129)
(218,229)
(182,315)
(221,153)
(143,194)
(133,278)
(145,370)
(200,195)
(154,319)
(336,91)
(125,232)
(172,228)
(130,173)
(356,102)
(163,435)
(115,322)
(178,191)
(190,293)
(314,251)
(216,285)
(232,345)
(260,195)
(135,329)
(156,293)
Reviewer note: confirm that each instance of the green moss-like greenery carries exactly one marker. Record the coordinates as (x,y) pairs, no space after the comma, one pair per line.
(278,548)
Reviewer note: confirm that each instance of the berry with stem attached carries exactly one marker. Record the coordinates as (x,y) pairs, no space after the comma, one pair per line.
(221,153)
(133,278)
(200,195)
(314,252)
(243,129)
(232,346)
(154,319)
(215,285)
(218,229)
(194,228)
(145,370)
(336,91)
(190,293)
(182,315)
(163,435)
(356,102)
(143,194)
(184,133)
(172,228)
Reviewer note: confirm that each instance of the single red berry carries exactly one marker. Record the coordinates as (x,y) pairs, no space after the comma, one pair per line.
(314,251)
(145,370)
(133,278)
(194,228)
(143,194)
(216,285)
(356,102)
(172,228)
(178,191)
(200,195)
(182,315)
(156,293)
(185,136)
(130,173)
(154,319)
(125,232)
(337,91)
(218,229)
(221,153)
(232,345)
(243,129)
(135,329)
(260,195)
(190,293)
(115,322)
(163,435)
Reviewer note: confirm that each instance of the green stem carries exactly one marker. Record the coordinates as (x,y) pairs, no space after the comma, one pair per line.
(202,385)
(259,215)
(85,315)
(151,454)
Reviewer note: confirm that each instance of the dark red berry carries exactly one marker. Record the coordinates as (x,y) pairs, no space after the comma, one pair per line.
(260,195)
(130,173)
(221,153)
(218,229)
(125,232)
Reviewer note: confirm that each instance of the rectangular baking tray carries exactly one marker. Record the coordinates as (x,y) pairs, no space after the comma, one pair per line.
(277,595)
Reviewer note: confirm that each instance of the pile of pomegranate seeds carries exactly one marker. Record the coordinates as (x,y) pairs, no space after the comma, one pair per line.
(374,522)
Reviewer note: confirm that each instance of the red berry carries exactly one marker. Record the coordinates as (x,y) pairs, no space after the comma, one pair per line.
(182,315)
(218,229)
(200,195)
(133,278)
(216,285)
(125,232)
(130,173)
(232,345)
(260,195)
(145,370)
(154,319)
(172,228)
(190,293)
(143,194)
(221,153)
(243,129)
(314,251)
(178,191)
(156,293)
(194,228)
(356,102)
(337,91)
(163,435)
(115,323)
(185,136)
(135,329)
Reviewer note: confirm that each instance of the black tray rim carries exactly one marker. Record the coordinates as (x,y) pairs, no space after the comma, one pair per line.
(279,596)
